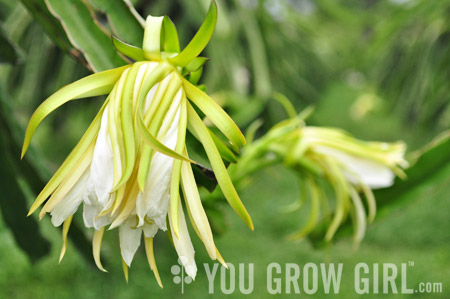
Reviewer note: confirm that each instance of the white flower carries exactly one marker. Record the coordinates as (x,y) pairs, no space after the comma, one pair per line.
(128,167)
(360,170)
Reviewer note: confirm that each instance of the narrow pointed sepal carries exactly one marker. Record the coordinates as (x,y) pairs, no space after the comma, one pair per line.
(65,231)
(93,85)
(96,246)
(125,270)
(151,259)
(130,51)
(200,40)
(196,125)
(215,114)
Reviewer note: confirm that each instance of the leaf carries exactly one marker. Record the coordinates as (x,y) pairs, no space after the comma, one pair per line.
(200,40)
(8,52)
(204,177)
(93,85)
(121,20)
(216,114)
(196,125)
(13,202)
(39,10)
(25,229)
(13,207)
(217,219)
(85,35)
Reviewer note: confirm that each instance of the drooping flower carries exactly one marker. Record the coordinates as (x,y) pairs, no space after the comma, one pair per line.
(327,156)
(353,168)
(127,170)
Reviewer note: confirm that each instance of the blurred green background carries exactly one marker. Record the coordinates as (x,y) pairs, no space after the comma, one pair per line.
(378,69)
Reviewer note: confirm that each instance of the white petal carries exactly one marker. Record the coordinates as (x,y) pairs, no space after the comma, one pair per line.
(150,230)
(150,96)
(183,245)
(154,202)
(69,204)
(92,207)
(130,239)
(139,78)
(102,174)
(91,219)
(371,173)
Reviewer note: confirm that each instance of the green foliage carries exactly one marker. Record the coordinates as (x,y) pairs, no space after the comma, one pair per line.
(14,205)
(85,34)
(120,19)
(8,52)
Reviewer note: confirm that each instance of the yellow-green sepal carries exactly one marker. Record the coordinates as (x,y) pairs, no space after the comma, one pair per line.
(194,77)
(315,194)
(70,161)
(130,51)
(216,114)
(195,65)
(156,75)
(176,168)
(200,40)
(195,210)
(196,125)
(90,86)
(170,40)
(226,153)
(126,120)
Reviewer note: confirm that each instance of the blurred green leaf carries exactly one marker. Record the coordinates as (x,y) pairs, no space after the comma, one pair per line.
(217,218)
(17,177)
(8,52)
(13,202)
(13,206)
(38,9)
(85,34)
(205,177)
(121,20)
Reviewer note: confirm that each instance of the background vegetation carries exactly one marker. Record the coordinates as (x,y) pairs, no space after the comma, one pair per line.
(378,69)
